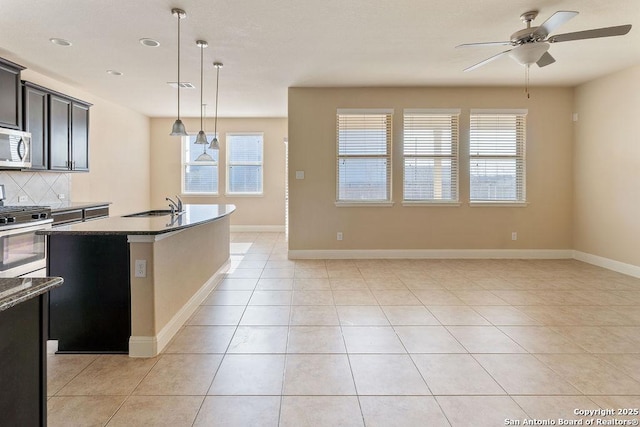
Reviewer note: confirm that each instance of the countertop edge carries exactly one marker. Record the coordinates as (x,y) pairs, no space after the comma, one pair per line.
(43,285)
(113,229)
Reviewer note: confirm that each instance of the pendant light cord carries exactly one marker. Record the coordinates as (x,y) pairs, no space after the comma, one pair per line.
(201,81)
(526,81)
(179,65)
(216,121)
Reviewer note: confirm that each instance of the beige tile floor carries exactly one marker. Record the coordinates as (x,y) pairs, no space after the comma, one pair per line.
(375,343)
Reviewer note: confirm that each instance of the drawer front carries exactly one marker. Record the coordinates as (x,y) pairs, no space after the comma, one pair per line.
(97,212)
(66,217)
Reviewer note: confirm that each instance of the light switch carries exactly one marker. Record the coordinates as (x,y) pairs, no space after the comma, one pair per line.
(299,174)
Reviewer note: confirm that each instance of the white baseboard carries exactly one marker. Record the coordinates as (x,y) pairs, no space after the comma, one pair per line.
(610,264)
(433,254)
(145,346)
(257,229)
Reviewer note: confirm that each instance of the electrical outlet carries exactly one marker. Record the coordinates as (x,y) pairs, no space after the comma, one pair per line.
(339,235)
(141,268)
(61,196)
(514,235)
(23,199)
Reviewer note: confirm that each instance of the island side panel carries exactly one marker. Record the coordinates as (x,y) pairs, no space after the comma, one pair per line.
(181,270)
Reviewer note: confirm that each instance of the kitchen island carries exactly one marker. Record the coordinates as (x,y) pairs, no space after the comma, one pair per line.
(131,282)
(23,350)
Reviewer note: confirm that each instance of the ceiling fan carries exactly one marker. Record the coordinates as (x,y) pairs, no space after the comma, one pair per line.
(531,45)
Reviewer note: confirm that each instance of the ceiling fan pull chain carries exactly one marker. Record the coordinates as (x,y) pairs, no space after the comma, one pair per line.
(526,81)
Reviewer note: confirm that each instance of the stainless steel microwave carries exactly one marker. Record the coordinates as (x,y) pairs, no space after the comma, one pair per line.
(15,149)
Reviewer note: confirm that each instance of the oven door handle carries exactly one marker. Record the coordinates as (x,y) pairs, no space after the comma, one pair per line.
(25,227)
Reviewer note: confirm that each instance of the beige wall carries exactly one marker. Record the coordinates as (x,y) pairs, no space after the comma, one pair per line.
(118,152)
(314,219)
(267,210)
(607,167)
(175,273)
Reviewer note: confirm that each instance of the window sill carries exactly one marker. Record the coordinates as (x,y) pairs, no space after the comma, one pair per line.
(411,203)
(244,194)
(200,195)
(364,204)
(499,204)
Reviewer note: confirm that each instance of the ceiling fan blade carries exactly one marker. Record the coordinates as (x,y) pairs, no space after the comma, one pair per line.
(555,21)
(485,44)
(620,30)
(545,59)
(486,61)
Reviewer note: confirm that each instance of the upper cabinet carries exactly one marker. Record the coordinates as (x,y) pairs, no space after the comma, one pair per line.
(10,97)
(36,121)
(59,127)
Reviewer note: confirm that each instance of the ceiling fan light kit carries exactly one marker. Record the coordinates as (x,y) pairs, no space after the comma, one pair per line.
(529,53)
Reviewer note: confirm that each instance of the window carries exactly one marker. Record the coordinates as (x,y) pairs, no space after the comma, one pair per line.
(497,156)
(244,163)
(430,150)
(198,176)
(363,156)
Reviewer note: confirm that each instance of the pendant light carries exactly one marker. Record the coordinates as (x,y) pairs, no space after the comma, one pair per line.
(204,157)
(178,128)
(202,137)
(214,142)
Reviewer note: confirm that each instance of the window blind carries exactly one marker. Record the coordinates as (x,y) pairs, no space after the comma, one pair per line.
(430,150)
(363,156)
(497,156)
(198,177)
(244,163)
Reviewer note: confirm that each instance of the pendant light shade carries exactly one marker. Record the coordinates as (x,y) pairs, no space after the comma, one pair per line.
(178,128)
(204,157)
(214,142)
(202,136)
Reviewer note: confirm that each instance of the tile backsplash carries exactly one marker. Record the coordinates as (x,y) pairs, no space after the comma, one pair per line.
(35,188)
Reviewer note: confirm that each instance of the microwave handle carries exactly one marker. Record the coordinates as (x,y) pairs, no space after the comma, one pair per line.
(22,149)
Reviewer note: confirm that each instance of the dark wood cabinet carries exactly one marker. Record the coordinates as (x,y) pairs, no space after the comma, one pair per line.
(79,136)
(10,96)
(59,125)
(23,390)
(91,313)
(36,121)
(71,215)
(59,132)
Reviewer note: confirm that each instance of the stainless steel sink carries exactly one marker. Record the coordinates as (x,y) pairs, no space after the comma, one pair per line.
(157,212)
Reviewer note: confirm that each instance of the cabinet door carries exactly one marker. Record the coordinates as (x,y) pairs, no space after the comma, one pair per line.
(35,121)
(79,137)
(10,99)
(59,132)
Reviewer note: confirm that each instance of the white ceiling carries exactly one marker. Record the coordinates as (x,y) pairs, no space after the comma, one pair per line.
(268,46)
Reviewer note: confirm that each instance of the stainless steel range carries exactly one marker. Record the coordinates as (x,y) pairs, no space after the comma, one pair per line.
(23,253)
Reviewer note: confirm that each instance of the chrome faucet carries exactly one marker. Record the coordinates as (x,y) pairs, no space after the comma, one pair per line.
(176,208)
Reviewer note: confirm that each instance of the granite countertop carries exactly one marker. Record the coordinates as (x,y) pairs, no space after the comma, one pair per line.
(152,225)
(69,205)
(15,291)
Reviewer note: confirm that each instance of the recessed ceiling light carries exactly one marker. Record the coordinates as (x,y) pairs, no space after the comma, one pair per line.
(60,42)
(114,72)
(150,42)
